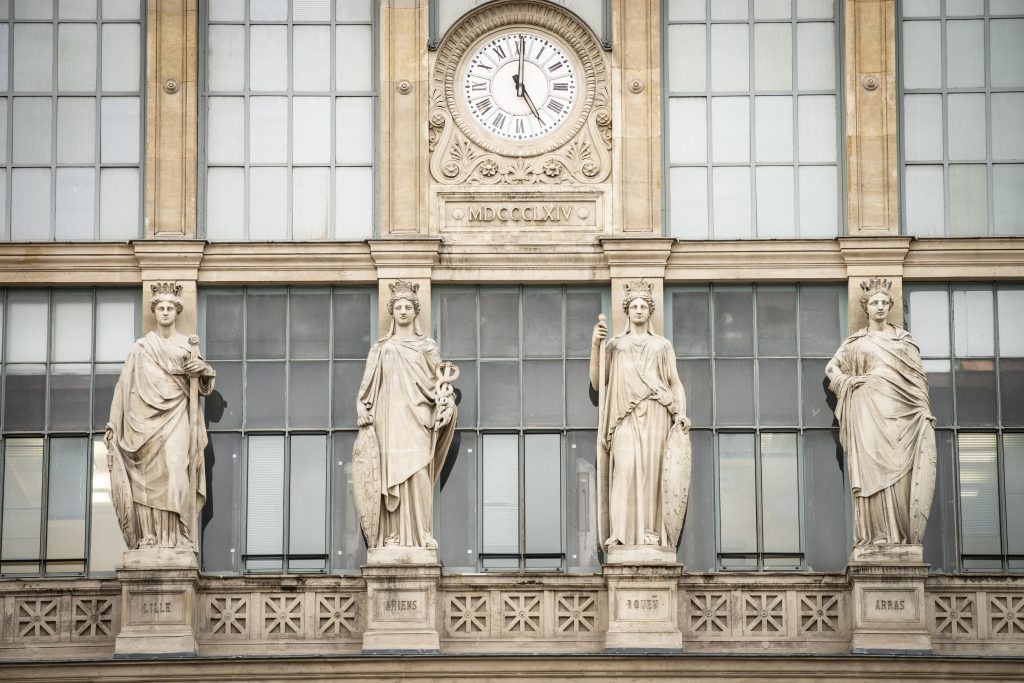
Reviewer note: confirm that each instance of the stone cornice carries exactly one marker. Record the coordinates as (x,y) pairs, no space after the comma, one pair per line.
(632,257)
(404,258)
(874,255)
(965,259)
(580,262)
(286,263)
(69,264)
(747,260)
(174,259)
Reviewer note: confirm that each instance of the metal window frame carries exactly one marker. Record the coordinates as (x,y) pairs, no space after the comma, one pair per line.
(794,93)
(943,92)
(332,94)
(55,95)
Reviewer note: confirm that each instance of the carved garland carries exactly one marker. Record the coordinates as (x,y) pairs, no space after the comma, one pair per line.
(460,154)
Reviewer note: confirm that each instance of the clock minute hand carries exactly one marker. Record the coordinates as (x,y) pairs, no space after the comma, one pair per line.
(520,84)
(532,107)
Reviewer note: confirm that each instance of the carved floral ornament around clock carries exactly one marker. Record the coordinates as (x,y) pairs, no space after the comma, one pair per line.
(579,151)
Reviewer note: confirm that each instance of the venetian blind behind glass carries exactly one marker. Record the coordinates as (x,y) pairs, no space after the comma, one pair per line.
(290,122)
(752,123)
(962,74)
(71,80)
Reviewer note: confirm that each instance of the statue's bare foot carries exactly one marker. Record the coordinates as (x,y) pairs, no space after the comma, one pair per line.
(651,538)
(430,543)
(391,541)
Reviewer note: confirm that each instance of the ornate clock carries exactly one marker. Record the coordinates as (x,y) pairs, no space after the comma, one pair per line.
(520,96)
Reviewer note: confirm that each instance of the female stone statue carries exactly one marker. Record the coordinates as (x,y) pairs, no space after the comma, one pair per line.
(886,426)
(406,417)
(156,436)
(643,432)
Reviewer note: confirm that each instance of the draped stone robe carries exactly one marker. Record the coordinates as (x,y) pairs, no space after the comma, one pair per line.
(642,396)
(886,434)
(398,389)
(149,419)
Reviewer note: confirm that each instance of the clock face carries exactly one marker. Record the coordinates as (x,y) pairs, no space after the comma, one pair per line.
(520,85)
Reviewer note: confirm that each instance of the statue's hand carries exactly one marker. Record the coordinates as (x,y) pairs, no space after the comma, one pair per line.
(857,381)
(682,420)
(108,433)
(195,368)
(363,418)
(444,416)
(600,332)
(931,419)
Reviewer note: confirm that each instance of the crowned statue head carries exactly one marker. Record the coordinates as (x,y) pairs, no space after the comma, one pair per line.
(638,303)
(404,306)
(876,287)
(166,291)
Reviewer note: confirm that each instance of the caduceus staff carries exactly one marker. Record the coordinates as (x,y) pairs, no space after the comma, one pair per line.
(444,400)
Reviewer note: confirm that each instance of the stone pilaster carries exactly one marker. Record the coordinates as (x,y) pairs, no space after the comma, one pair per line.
(889,609)
(411,260)
(170,261)
(158,603)
(171,117)
(632,258)
(643,612)
(871,153)
(868,257)
(402,606)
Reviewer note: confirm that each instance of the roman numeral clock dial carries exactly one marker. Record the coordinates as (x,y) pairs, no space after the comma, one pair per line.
(519,85)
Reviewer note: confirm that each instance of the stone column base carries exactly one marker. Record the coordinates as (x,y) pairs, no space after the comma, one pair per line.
(401,606)
(642,612)
(158,603)
(888,600)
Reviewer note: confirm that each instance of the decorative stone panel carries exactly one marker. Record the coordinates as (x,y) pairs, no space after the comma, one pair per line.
(37,618)
(764,613)
(709,613)
(336,615)
(282,615)
(576,612)
(228,616)
(819,612)
(1007,615)
(955,615)
(468,615)
(92,618)
(522,613)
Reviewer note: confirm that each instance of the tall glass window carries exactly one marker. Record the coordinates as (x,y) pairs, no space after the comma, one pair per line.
(752,119)
(71,83)
(518,490)
(444,14)
(971,345)
(282,422)
(767,465)
(289,97)
(61,356)
(962,75)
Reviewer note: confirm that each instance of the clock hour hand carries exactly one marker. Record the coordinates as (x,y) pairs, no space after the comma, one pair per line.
(521,90)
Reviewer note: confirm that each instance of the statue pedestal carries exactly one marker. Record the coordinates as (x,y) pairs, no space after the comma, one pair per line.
(643,587)
(401,601)
(888,599)
(158,603)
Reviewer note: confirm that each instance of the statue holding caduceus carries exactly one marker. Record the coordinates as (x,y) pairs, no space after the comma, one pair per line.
(156,436)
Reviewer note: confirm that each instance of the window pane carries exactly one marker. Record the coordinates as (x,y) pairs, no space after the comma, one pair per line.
(973,324)
(732,203)
(697,545)
(104,379)
(264,400)
(76,130)
(1008,202)
(734,321)
(781,489)
(354,191)
(354,59)
(1011,322)
(964,7)
(542,323)
(815,9)
(32,135)
(499,394)
(457,505)
(265,501)
(307,514)
(581,311)
(265,324)
(734,401)
(687,69)
(121,60)
(922,58)
(225,121)
(817,128)
(772,9)
(687,130)
(225,64)
(268,218)
(33,57)
(966,122)
(581,501)
(688,202)
(311,197)
(939,374)
(965,54)
(686,10)
(500,495)
(696,378)
(928,320)
(542,393)
(220,516)
(355,10)
(115,325)
(774,128)
(308,388)
(353,319)
(120,9)
(543,497)
(975,391)
(268,130)
(773,56)
(268,10)
(353,130)
(223,323)
(730,131)
(28,383)
(268,58)
(729,9)
(311,61)
(968,200)
(825,492)
(979,495)
(1013,476)
(106,543)
(580,398)
(4,40)
(76,204)
(119,203)
(922,141)
(119,130)
(690,323)
(816,56)
(23,495)
(777,392)
(458,321)
(223,408)
(738,518)
(225,203)
(76,57)
(309,324)
(72,326)
(775,210)
(499,324)
(924,215)
(776,321)
(348,551)
(311,127)
(347,376)
(311,10)
(729,57)
(1008,125)
(65,509)
(27,313)
(69,396)
(1006,56)
(816,409)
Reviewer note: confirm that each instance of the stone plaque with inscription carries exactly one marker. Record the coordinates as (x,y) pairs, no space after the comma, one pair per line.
(642,604)
(889,601)
(402,614)
(508,215)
